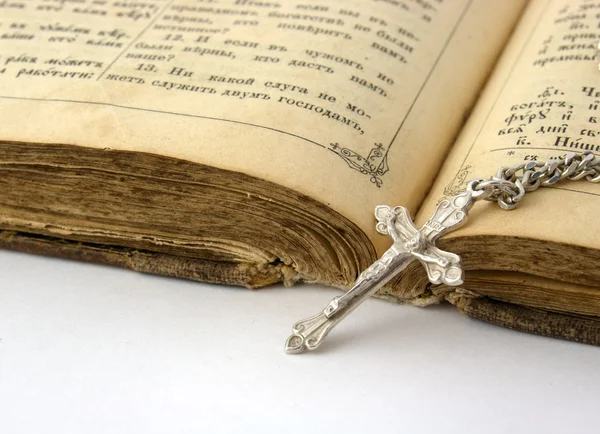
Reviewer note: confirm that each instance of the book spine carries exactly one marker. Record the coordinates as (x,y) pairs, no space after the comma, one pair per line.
(540,322)
(229,273)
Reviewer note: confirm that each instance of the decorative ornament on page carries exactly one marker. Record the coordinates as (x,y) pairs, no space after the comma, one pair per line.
(507,188)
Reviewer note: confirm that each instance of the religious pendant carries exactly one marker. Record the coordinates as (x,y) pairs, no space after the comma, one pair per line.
(508,187)
(409,244)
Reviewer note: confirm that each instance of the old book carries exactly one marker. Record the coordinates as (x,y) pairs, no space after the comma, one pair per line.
(247,142)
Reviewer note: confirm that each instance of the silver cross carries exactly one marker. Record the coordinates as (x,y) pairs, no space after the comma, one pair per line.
(409,244)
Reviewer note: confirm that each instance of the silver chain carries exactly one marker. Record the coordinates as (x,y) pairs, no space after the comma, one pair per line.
(511,183)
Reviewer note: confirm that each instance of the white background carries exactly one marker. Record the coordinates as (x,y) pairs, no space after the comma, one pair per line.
(92,349)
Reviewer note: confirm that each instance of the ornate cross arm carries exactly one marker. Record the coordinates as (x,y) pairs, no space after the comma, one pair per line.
(409,244)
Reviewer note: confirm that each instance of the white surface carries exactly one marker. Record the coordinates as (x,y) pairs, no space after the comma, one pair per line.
(92,349)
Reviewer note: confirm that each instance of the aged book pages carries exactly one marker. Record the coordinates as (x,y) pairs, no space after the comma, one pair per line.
(171,217)
(352,103)
(542,101)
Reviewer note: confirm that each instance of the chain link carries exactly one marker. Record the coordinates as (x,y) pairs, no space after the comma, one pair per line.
(510,184)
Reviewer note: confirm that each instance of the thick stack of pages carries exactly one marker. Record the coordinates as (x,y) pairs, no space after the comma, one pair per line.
(248,142)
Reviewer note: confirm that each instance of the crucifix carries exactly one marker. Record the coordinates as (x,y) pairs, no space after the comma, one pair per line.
(507,187)
(409,244)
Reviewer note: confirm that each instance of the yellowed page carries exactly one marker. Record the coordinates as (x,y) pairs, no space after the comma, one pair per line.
(543,101)
(353,103)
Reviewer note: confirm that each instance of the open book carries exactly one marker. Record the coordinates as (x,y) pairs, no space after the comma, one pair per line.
(247,142)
